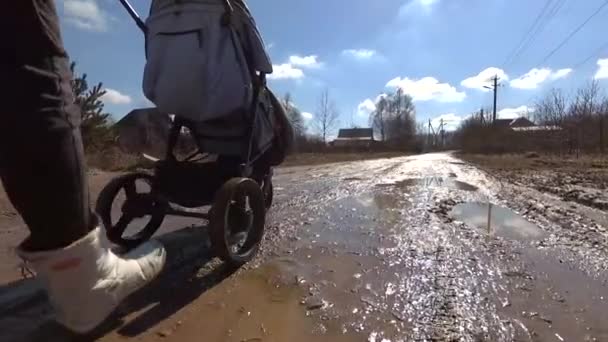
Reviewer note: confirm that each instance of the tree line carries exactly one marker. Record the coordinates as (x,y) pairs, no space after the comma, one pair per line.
(566,122)
(393,122)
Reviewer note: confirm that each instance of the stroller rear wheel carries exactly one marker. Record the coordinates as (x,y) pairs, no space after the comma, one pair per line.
(139,204)
(237,221)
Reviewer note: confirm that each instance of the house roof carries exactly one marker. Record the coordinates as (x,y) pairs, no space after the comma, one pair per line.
(144,116)
(143,130)
(356,133)
(352,139)
(517,122)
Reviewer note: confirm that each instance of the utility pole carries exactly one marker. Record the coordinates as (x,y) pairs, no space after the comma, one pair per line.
(442,131)
(494,87)
(432,135)
(495,97)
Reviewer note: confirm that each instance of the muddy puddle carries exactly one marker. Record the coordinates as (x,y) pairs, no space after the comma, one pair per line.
(272,303)
(350,294)
(553,301)
(430,182)
(358,221)
(497,220)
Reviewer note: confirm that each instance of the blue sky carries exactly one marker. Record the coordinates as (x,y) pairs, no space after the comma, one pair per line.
(441,52)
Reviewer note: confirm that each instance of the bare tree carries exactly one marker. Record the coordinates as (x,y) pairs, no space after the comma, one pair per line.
(552,109)
(379,117)
(401,121)
(294,116)
(395,119)
(326,118)
(586,100)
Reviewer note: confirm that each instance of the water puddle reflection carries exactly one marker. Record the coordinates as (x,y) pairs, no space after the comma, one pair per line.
(503,222)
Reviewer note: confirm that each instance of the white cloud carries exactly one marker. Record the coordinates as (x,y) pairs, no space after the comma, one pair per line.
(535,77)
(307,116)
(427,89)
(602,71)
(561,73)
(293,69)
(426,3)
(115,97)
(512,113)
(484,78)
(366,107)
(417,6)
(86,15)
(361,54)
(286,71)
(305,62)
(451,121)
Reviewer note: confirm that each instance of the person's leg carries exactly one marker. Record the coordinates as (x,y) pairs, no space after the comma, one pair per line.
(41,155)
(42,168)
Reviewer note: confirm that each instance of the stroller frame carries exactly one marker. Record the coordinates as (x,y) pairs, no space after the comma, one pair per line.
(180,188)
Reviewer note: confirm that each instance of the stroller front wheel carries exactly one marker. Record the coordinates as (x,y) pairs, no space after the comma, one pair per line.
(237,221)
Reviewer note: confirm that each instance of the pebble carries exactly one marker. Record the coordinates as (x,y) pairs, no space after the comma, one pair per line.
(164,333)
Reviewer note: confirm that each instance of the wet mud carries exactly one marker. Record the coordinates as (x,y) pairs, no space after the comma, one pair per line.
(398,250)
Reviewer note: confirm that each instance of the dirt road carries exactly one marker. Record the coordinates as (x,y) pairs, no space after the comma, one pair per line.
(387,250)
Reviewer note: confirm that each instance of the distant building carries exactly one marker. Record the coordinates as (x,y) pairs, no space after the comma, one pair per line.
(523,125)
(143,130)
(513,123)
(354,137)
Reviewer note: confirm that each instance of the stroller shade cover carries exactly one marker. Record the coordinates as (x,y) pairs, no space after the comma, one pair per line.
(204,70)
(198,67)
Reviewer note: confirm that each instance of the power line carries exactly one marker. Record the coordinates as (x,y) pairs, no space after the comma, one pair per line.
(528,32)
(594,54)
(552,12)
(547,13)
(573,33)
(558,6)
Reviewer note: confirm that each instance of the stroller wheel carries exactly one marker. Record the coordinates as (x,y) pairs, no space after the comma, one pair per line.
(268,193)
(237,221)
(127,199)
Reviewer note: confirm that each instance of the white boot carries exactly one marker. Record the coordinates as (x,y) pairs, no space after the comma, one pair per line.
(86,281)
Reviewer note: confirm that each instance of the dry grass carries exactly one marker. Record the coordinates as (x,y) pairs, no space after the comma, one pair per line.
(113,159)
(530,161)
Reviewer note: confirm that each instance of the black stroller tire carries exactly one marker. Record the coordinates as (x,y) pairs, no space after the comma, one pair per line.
(114,231)
(268,194)
(219,223)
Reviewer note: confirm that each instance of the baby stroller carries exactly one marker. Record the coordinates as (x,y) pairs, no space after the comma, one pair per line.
(227,181)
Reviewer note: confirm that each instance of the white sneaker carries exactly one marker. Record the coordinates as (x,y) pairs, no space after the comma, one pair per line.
(86,281)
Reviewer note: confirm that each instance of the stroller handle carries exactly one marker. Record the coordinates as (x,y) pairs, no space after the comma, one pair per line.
(140,23)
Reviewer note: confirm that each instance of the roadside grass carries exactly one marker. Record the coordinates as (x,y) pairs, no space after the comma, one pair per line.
(534,161)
